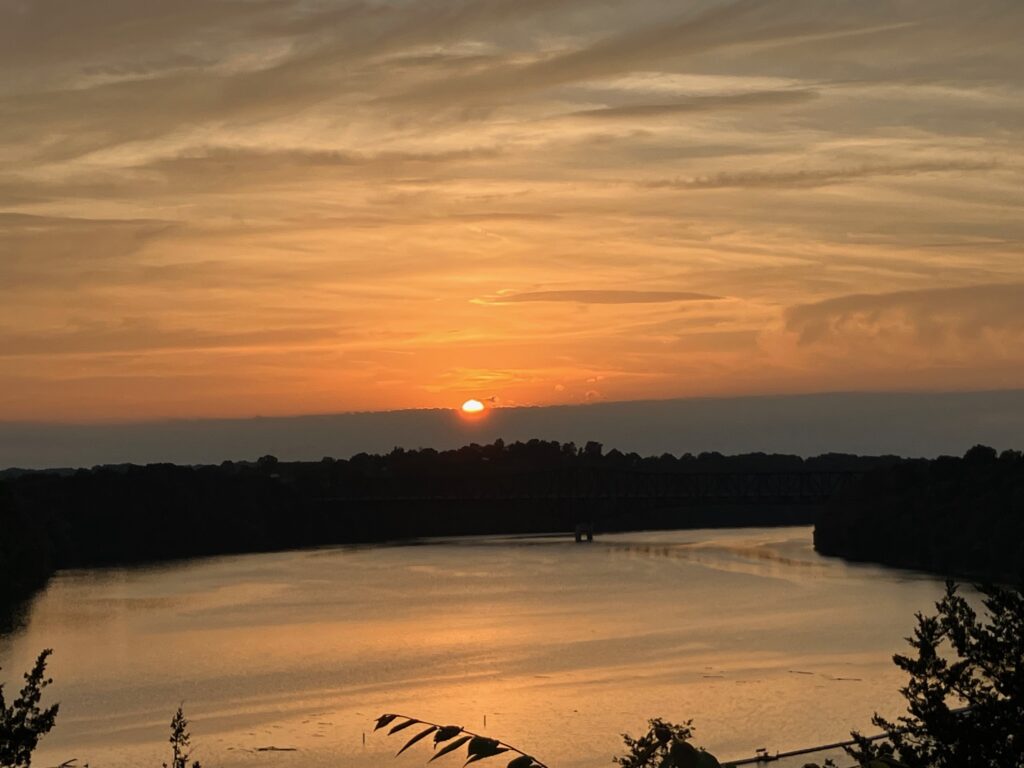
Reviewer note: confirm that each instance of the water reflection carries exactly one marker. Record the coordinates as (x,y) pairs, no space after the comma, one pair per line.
(561,646)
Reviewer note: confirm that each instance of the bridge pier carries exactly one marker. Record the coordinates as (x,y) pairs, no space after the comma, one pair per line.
(584,530)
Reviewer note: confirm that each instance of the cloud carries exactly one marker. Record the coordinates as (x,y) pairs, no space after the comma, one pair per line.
(222,168)
(818,177)
(44,31)
(910,424)
(720,26)
(930,316)
(31,244)
(80,82)
(139,335)
(602,297)
(611,55)
(235,170)
(710,103)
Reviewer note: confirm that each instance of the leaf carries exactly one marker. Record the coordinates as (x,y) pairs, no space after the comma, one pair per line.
(523,761)
(481,747)
(447,732)
(402,726)
(482,744)
(482,757)
(450,748)
(422,734)
(383,720)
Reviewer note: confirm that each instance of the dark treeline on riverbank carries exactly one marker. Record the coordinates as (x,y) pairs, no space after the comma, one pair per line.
(133,514)
(136,514)
(954,516)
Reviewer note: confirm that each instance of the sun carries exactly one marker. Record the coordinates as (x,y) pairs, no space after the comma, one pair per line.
(472,407)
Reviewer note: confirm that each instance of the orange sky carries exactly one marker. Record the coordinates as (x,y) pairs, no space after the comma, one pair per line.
(237,208)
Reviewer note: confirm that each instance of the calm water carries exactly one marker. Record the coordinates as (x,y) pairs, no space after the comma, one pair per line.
(560,646)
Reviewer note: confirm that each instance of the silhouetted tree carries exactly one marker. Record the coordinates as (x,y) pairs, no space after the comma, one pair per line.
(23,723)
(267,464)
(181,742)
(980,454)
(665,745)
(965,696)
(953,516)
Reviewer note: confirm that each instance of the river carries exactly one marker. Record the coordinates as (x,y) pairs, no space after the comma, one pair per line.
(550,645)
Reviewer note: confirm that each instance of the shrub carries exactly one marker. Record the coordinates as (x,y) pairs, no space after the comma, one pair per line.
(665,745)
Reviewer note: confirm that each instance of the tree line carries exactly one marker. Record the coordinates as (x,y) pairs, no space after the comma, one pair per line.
(961,516)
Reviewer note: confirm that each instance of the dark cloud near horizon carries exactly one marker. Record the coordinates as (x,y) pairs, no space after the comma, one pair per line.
(908,424)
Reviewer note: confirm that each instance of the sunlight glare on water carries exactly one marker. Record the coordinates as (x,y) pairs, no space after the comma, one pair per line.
(561,646)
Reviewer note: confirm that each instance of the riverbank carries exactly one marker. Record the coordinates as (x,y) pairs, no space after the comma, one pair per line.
(155,513)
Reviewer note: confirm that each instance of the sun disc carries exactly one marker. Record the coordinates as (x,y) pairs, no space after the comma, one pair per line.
(472,406)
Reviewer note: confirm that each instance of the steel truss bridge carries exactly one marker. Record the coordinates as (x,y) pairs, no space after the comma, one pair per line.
(813,487)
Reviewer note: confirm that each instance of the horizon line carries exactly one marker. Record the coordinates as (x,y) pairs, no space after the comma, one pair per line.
(517,407)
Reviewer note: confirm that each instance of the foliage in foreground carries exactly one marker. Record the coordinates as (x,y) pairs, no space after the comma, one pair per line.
(965,696)
(452,737)
(23,723)
(181,742)
(665,745)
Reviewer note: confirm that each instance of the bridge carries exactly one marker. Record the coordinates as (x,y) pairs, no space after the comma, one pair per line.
(593,484)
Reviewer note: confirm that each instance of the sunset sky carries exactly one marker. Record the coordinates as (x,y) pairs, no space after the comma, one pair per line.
(214,208)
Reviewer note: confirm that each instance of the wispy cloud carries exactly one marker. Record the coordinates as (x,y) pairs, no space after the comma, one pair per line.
(600,297)
(696,104)
(134,335)
(819,177)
